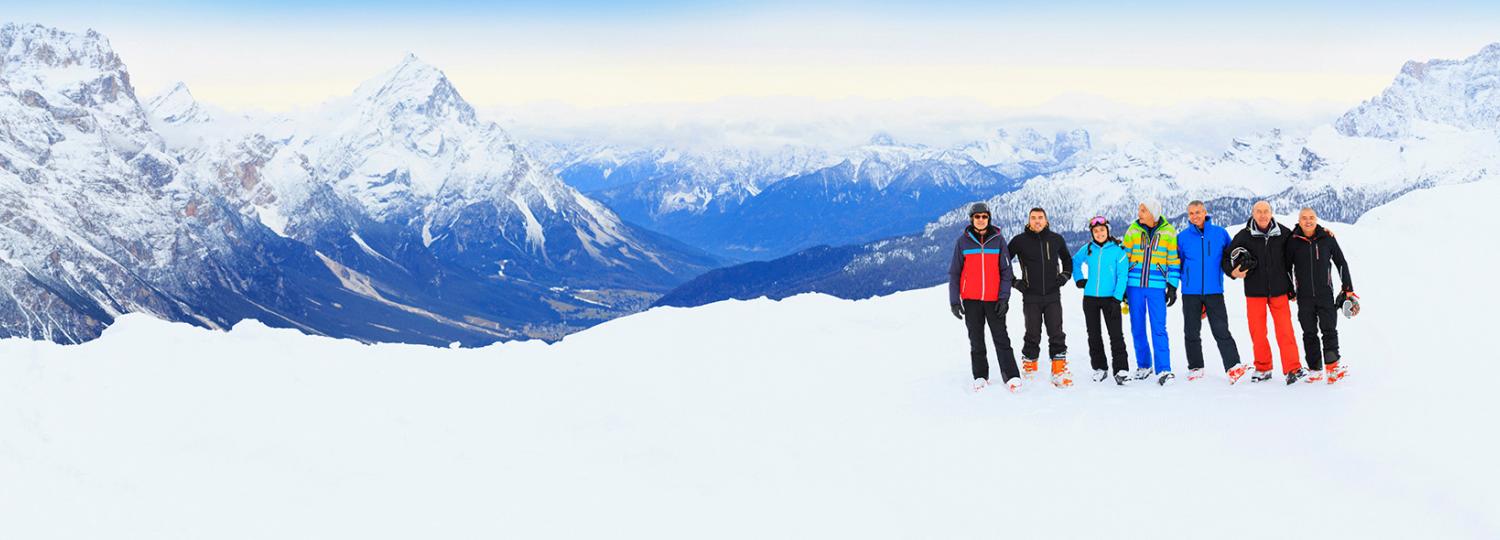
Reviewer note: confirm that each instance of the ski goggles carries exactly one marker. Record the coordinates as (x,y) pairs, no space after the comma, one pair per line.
(979,216)
(1098,220)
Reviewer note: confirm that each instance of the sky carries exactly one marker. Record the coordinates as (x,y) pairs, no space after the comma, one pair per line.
(609,58)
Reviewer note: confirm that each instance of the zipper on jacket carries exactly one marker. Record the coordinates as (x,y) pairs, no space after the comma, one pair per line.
(1202,260)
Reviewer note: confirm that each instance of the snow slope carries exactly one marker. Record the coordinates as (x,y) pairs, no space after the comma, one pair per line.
(809,417)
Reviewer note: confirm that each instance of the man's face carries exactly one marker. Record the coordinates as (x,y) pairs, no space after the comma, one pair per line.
(1308,220)
(980,221)
(1037,221)
(1262,215)
(1144,215)
(1196,215)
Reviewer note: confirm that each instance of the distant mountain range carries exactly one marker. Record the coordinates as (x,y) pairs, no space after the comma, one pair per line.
(754,205)
(1438,123)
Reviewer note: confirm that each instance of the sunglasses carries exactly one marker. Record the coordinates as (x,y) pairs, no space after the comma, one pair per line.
(980,216)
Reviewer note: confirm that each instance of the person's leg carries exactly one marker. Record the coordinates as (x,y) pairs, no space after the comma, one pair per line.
(1255,313)
(1218,323)
(1160,349)
(1093,309)
(1113,321)
(1286,337)
(1004,355)
(1328,322)
(1031,341)
(1192,329)
(1307,316)
(1057,341)
(974,320)
(1138,326)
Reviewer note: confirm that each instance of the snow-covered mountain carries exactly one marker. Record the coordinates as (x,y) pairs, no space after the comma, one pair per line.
(1342,176)
(402,172)
(831,419)
(393,215)
(759,205)
(1463,94)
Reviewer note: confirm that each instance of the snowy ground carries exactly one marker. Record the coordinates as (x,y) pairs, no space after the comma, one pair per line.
(810,417)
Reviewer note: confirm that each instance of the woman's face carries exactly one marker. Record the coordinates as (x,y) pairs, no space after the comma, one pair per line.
(1100,233)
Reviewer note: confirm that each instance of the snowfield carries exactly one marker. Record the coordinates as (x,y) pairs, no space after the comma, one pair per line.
(809,417)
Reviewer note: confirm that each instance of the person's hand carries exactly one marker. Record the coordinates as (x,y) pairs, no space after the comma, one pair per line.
(1124,307)
(958,311)
(1238,272)
(1171,295)
(1080,283)
(1291,296)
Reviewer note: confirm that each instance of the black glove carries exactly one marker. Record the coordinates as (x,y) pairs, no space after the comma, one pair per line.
(958,311)
(1171,295)
(1081,283)
(1004,306)
(1291,296)
(1064,278)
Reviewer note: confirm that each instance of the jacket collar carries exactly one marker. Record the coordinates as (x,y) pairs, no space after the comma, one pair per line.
(1273,231)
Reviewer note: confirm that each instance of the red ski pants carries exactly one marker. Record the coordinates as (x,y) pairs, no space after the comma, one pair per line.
(1286,339)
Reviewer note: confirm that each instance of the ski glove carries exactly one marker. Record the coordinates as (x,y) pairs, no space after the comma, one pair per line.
(1291,296)
(958,311)
(1171,295)
(1080,283)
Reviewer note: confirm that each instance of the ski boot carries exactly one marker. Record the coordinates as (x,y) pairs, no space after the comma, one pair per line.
(1100,374)
(1236,372)
(979,384)
(1014,384)
(1142,373)
(1195,374)
(1261,376)
(1336,372)
(1061,377)
(1296,375)
(1165,378)
(1121,376)
(1028,368)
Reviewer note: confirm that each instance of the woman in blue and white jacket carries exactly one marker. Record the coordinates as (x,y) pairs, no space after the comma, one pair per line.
(1103,291)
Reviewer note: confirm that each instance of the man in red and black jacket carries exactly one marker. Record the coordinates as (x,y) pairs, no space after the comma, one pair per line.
(979,291)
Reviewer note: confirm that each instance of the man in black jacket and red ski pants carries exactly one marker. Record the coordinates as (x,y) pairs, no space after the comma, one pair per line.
(979,291)
(1313,253)
(1046,264)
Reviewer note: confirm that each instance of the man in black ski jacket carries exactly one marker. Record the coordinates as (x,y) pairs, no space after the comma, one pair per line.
(1046,264)
(1268,288)
(1313,253)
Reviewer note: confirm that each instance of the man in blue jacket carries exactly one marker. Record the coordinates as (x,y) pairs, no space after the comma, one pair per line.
(1201,246)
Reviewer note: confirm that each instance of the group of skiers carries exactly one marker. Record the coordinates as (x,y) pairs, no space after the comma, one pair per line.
(1150,269)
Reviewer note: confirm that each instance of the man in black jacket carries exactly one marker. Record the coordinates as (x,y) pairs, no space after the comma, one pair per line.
(1313,253)
(1046,264)
(1257,255)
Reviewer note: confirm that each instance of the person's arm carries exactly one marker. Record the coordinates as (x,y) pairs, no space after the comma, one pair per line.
(1343,265)
(1078,259)
(1067,256)
(1122,275)
(1286,261)
(1007,275)
(1224,258)
(956,272)
(1174,264)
